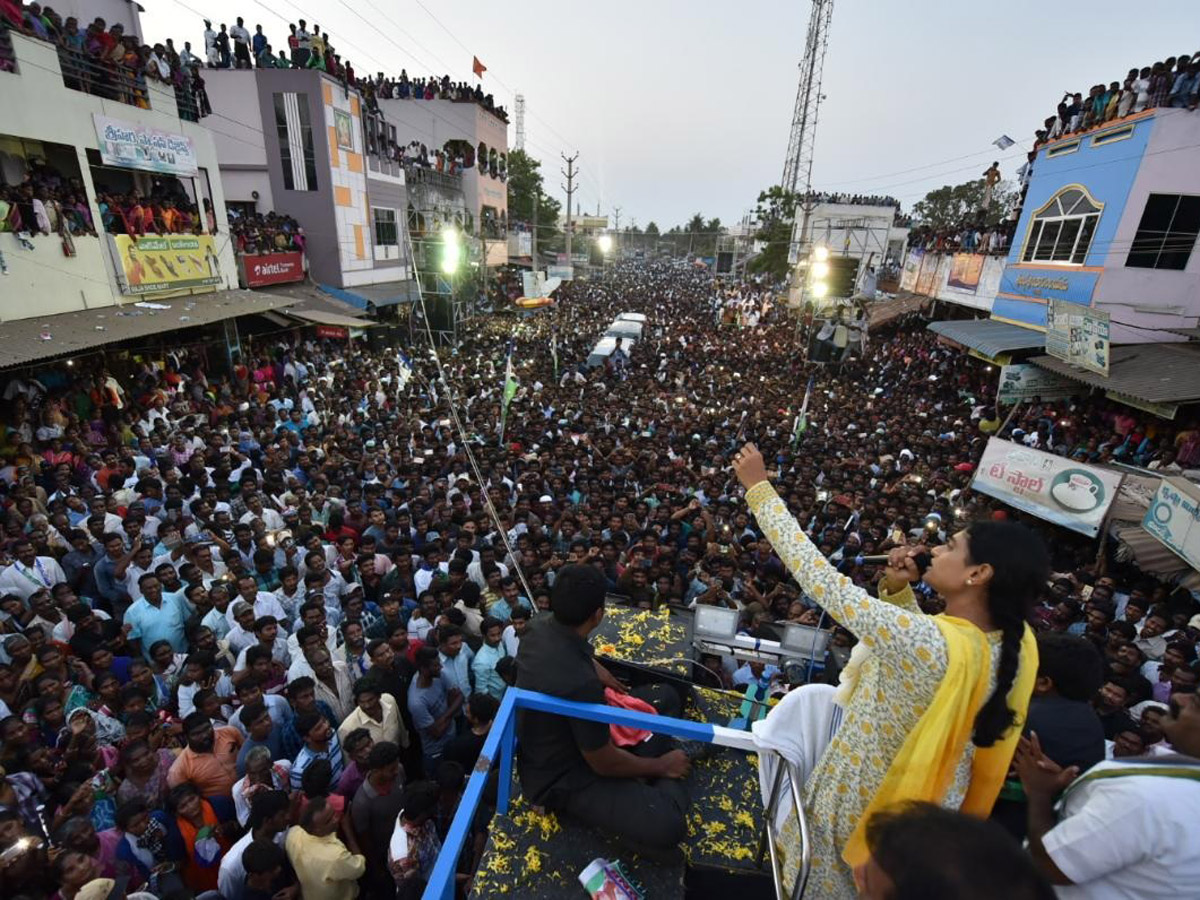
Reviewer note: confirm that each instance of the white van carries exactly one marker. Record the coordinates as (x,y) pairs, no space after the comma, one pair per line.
(625,329)
(601,352)
(632,317)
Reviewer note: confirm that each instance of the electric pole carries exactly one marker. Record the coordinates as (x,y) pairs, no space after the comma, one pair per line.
(569,187)
(617,225)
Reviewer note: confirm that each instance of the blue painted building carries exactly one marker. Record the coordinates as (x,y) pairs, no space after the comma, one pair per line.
(1111,221)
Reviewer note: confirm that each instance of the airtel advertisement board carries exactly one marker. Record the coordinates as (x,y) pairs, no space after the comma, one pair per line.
(273,268)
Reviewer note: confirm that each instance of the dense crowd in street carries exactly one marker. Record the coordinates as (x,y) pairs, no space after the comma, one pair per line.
(250,619)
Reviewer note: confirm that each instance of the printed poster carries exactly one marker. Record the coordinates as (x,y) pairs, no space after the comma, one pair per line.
(156,263)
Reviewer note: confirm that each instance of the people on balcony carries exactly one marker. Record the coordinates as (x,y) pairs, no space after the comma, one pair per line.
(259,234)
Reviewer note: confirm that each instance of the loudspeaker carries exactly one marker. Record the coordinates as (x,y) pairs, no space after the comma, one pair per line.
(843,272)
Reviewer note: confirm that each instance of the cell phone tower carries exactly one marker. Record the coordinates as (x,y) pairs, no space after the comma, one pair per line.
(519,105)
(797,166)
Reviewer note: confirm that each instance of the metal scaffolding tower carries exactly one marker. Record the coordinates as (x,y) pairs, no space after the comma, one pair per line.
(797,166)
(519,107)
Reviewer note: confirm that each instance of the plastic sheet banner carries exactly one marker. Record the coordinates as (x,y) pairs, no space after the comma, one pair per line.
(1078,335)
(965,271)
(1174,518)
(1054,488)
(155,264)
(1023,381)
(134,146)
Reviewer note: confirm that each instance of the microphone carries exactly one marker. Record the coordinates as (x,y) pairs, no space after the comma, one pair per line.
(922,560)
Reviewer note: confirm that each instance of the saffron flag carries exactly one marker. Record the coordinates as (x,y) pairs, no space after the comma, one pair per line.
(477,67)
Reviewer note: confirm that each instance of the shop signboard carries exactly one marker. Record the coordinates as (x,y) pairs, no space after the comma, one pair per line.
(1174,518)
(133,146)
(271,268)
(155,264)
(1054,488)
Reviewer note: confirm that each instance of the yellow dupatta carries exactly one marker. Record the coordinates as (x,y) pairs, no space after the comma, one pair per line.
(924,767)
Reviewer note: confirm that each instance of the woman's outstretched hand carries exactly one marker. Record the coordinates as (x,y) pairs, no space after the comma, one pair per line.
(749,467)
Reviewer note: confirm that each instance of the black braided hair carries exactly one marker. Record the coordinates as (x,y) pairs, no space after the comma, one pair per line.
(1020,566)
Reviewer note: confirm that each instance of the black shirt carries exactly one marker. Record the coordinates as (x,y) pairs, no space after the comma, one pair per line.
(555,660)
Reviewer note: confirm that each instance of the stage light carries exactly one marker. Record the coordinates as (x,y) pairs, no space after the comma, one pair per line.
(820,254)
(451,251)
(715,622)
(820,270)
(804,641)
(820,289)
(605,243)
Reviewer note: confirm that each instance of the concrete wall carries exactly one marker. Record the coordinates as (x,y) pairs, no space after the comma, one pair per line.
(935,275)
(36,105)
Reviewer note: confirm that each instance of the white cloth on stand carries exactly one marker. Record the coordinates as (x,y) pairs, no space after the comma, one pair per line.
(799,729)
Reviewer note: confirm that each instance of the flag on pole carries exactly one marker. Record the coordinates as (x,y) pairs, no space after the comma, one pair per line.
(405,365)
(510,380)
(477,67)
(802,419)
(1004,142)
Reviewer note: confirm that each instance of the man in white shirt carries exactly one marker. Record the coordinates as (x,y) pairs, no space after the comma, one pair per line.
(30,572)
(268,823)
(1125,828)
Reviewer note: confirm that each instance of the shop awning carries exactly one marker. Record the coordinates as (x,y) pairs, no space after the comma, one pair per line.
(43,338)
(321,317)
(881,312)
(386,294)
(989,337)
(1155,373)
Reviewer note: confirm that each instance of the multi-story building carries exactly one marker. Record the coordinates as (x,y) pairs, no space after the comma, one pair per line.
(301,144)
(1110,223)
(455,128)
(76,133)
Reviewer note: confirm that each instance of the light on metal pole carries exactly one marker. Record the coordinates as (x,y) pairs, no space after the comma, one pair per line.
(451,251)
(605,243)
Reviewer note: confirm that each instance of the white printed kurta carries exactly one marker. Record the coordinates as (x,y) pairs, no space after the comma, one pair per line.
(896,683)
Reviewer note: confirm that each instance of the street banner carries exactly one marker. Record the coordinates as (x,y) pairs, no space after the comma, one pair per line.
(1054,488)
(153,264)
(1078,335)
(271,268)
(333,332)
(965,271)
(1022,381)
(1174,518)
(134,146)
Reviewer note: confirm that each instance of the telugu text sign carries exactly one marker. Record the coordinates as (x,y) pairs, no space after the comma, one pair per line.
(154,264)
(134,146)
(1053,488)
(1174,518)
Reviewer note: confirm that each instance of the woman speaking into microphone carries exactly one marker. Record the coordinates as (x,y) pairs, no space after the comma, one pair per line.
(934,705)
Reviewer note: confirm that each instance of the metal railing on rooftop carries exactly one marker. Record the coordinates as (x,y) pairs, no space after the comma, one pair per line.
(502,741)
(103,79)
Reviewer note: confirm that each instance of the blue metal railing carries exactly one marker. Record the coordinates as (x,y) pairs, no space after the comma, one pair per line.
(502,740)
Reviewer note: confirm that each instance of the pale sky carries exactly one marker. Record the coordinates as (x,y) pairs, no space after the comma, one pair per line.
(677,107)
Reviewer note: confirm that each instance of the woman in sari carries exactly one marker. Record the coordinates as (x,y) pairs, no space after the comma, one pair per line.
(204,837)
(933,705)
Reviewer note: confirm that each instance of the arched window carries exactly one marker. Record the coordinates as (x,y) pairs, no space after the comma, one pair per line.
(1061,231)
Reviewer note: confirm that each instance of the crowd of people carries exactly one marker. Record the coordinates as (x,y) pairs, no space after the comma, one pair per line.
(103,60)
(258,233)
(255,623)
(1172,83)
(972,237)
(380,87)
(851,199)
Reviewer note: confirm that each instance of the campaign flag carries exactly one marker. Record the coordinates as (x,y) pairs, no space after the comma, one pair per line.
(1004,142)
(477,67)
(802,418)
(510,380)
